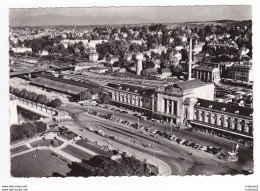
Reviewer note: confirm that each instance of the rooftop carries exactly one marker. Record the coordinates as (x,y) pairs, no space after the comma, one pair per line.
(131,88)
(203,68)
(190,84)
(60,86)
(225,107)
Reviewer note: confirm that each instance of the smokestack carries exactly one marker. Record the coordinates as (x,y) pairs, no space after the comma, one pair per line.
(190,59)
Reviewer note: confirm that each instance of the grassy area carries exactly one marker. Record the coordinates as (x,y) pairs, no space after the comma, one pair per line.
(77,152)
(24,139)
(19,149)
(68,135)
(95,149)
(47,142)
(37,164)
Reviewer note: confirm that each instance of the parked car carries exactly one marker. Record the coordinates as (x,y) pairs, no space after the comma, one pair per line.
(112,137)
(100,132)
(203,148)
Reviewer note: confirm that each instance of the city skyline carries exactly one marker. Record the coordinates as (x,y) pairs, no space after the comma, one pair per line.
(126,15)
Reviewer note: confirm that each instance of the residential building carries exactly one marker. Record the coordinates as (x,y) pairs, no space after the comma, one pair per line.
(165,73)
(239,72)
(99,70)
(206,74)
(21,50)
(93,57)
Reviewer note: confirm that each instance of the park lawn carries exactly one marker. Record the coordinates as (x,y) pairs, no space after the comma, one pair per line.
(46,142)
(68,136)
(77,152)
(24,139)
(43,165)
(19,149)
(93,148)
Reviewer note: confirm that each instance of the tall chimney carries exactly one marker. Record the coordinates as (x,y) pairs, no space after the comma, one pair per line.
(190,59)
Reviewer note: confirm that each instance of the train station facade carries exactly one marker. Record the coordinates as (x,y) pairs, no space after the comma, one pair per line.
(189,103)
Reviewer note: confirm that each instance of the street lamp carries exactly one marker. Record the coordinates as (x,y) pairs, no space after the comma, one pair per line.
(129,146)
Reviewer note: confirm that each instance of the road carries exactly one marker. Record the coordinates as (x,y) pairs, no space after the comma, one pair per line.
(176,156)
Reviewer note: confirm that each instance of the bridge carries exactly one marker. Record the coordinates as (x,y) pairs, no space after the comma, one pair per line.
(38,109)
(37,70)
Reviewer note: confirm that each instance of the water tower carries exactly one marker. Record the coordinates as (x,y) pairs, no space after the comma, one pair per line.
(139,64)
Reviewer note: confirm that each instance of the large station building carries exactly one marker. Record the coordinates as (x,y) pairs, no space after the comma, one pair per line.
(173,103)
(189,103)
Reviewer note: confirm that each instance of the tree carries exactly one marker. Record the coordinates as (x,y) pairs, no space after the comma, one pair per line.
(96,90)
(85,96)
(40,127)
(18,132)
(41,99)
(177,69)
(32,96)
(56,103)
(16,91)
(24,93)
(105,98)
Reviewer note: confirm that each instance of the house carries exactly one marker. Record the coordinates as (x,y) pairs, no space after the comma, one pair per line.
(139,42)
(165,73)
(99,70)
(93,57)
(21,50)
(112,60)
(206,74)
(150,71)
(43,53)
(121,70)
(239,72)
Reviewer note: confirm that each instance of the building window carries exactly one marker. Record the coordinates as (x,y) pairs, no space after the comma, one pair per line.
(215,119)
(235,123)
(203,116)
(196,115)
(209,117)
(170,106)
(175,107)
(165,105)
(222,120)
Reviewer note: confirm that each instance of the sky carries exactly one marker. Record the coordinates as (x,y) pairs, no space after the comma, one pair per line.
(122,14)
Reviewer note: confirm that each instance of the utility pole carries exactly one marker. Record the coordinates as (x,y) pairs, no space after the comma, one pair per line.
(171,129)
(129,147)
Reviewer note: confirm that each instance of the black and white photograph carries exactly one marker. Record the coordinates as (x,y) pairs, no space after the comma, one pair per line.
(149,92)
(141,94)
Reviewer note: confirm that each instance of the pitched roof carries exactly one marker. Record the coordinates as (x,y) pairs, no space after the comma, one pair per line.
(166,70)
(64,87)
(203,68)
(131,88)
(190,84)
(151,70)
(225,107)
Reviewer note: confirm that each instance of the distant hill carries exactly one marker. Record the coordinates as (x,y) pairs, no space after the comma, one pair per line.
(56,19)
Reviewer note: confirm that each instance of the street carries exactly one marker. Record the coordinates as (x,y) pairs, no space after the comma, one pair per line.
(176,156)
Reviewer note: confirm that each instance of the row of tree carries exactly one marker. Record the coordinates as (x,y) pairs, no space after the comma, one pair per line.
(37,98)
(26,130)
(104,166)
